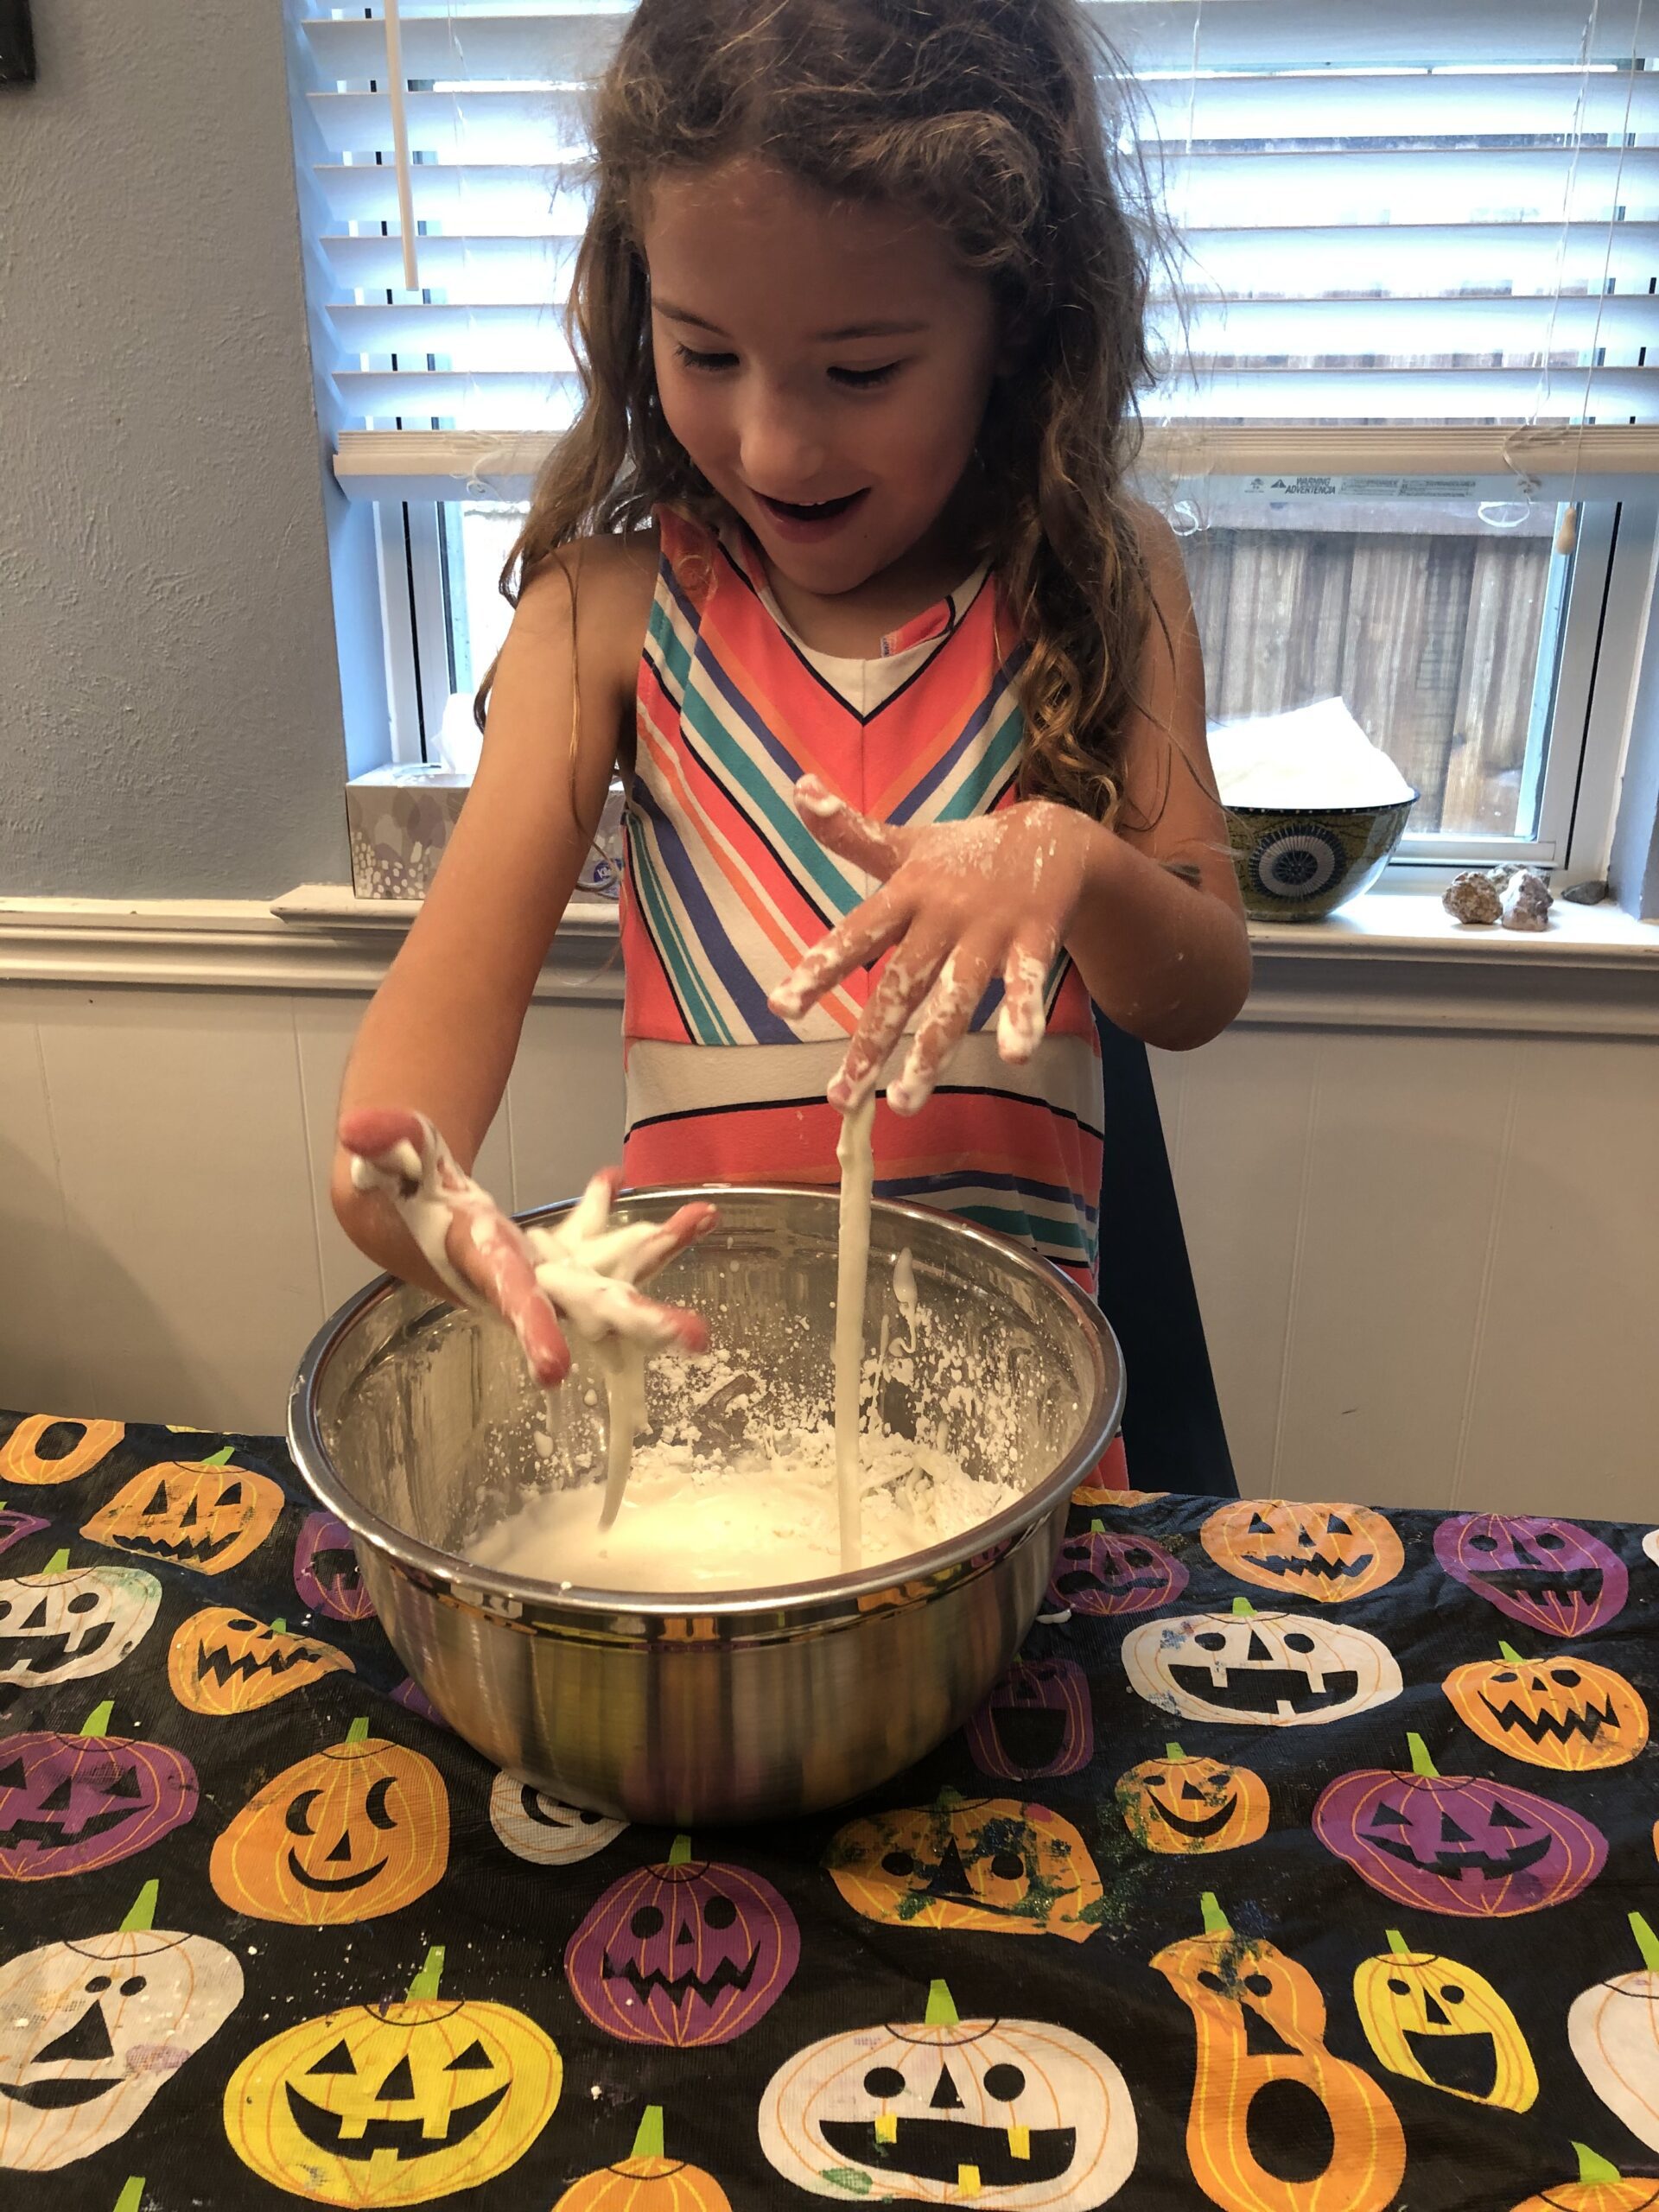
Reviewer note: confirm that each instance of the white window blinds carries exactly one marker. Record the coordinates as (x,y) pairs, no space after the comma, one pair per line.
(1395,213)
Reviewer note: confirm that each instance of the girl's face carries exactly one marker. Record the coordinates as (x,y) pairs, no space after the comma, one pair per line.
(826,365)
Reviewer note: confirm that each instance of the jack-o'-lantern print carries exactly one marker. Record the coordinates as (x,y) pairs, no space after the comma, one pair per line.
(1269,1670)
(1552,1576)
(1561,1710)
(394,2103)
(15,1525)
(45,1448)
(1601,2187)
(538,1827)
(1014,2115)
(1183,1806)
(1456,1843)
(991,1864)
(1037,1722)
(1436,2021)
(1328,1552)
(1278,2123)
(1612,2030)
(647,2180)
(92,2029)
(72,1804)
(222,1661)
(1092,1496)
(687,1952)
(326,1572)
(1107,1571)
(203,1513)
(360,1829)
(67,1623)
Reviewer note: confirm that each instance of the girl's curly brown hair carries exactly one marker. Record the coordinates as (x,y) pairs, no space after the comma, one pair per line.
(990,118)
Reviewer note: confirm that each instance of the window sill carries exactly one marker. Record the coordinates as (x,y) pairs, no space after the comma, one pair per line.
(1391,961)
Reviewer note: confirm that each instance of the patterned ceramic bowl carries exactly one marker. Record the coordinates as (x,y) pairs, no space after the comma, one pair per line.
(1299,865)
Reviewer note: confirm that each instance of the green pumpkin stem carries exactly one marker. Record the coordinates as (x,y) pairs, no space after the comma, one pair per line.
(1420,1761)
(425,1983)
(679,1851)
(1592,2167)
(941,2008)
(1646,1941)
(1243,1610)
(1398,1944)
(142,1918)
(279,1626)
(1096,1528)
(1173,1751)
(359,1729)
(58,1562)
(1216,1921)
(98,1720)
(1511,1655)
(648,2143)
(219,1458)
(132,2194)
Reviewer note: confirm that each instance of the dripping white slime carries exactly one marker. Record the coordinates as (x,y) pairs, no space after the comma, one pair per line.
(852,1273)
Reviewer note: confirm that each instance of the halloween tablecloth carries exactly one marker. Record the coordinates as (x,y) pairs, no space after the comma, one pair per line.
(1304,1862)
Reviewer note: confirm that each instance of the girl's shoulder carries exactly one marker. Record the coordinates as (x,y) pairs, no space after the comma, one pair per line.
(607,581)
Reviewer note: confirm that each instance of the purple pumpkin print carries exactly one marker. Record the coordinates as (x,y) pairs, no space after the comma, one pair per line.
(413,1699)
(1106,1571)
(1038,1720)
(687,1952)
(15,1525)
(72,1804)
(1552,1575)
(325,1570)
(1455,1843)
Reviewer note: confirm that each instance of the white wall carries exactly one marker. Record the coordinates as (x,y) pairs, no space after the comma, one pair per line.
(1426,1257)
(169,704)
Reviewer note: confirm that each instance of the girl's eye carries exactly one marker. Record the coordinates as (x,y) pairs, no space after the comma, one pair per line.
(865,379)
(689,359)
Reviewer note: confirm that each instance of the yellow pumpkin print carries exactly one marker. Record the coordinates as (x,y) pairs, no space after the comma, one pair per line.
(1440,2023)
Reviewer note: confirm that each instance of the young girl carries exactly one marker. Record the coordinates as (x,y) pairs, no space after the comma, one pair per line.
(837,566)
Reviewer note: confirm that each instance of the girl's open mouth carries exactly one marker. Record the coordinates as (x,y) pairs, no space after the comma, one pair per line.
(815,518)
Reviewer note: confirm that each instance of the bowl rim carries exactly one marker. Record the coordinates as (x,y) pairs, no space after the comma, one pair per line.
(1319,813)
(826,1593)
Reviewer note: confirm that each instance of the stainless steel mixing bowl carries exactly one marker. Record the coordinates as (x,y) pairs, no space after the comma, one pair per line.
(415,1424)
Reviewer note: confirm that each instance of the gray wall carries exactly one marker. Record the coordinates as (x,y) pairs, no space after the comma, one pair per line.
(169,700)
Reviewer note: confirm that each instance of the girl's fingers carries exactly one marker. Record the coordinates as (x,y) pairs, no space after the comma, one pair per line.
(867,932)
(878,848)
(680,1230)
(945,1017)
(488,1252)
(373,1132)
(906,981)
(600,1306)
(1021,1019)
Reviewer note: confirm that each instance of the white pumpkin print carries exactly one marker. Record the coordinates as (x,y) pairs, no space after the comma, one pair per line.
(69,1622)
(538,1827)
(1006,2115)
(1265,1670)
(1650,1545)
(90,2029)
(1612,2029)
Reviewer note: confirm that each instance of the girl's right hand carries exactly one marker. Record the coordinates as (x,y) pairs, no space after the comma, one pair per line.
(586,1268)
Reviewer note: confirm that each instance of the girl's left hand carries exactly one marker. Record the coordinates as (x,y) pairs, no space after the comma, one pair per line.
(961,904)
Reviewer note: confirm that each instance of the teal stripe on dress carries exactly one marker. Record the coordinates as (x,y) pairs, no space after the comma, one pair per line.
(1001,748)
(675,653)
(702,1016)
(740,770)
(1037,1230)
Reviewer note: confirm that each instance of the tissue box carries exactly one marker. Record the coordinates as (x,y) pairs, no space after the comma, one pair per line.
(399,820)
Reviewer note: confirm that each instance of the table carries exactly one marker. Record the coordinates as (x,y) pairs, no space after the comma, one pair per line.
(1304,1863)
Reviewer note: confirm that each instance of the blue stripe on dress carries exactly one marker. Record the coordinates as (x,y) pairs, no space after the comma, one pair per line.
(716,946)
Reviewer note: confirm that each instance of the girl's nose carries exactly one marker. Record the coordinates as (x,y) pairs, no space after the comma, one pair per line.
(780,447)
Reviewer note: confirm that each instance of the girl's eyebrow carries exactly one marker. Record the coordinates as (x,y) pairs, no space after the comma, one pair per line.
(820,338)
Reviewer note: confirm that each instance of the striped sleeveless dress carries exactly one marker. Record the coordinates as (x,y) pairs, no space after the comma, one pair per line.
(724,889)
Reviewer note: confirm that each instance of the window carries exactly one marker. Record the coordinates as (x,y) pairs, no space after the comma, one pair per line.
(1407,431)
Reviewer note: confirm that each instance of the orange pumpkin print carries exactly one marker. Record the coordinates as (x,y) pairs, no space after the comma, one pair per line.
(352,1831)
(991,1864)
(22,1460)
(223,1661)
(1261,2021)
(203,1514)
(1563,1711)
(646,2181)
(1183,1805)
(1601,2187)
(1327,1553)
